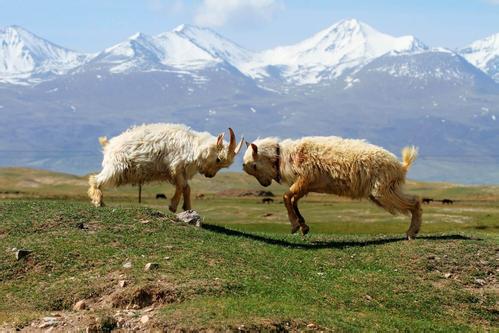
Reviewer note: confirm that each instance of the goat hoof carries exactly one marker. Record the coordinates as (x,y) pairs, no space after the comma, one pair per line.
(172,209)
(294,229)
(410,237)
(304,229)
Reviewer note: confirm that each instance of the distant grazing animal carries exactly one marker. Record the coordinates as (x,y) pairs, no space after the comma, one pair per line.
(161,152)
(427,200)
(345,167)
(447,201)
(160,196)
(200,196)
(267,200)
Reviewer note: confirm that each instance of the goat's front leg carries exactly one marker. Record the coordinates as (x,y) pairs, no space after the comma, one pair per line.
(295,225)
(296,191)
(300,189)
(179,190)
(187,197)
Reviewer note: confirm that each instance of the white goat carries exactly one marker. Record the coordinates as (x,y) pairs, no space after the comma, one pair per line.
(345,167)
(159,152)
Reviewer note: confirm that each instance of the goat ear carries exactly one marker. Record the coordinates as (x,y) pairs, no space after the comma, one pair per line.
(220,140)
(247,144)
(255,150)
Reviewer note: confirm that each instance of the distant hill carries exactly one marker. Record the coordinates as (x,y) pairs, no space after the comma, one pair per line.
(347,80)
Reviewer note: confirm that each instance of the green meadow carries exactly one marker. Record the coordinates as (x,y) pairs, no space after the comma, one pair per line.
(243,270)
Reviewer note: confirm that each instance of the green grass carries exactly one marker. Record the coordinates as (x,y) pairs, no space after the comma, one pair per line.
(353,273)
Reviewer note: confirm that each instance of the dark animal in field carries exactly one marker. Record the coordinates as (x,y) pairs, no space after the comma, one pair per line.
(160,196)
(427,200)
(267,200)
(447,201)
(200,196)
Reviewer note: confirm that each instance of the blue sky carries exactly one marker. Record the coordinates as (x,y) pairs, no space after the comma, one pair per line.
(91,25)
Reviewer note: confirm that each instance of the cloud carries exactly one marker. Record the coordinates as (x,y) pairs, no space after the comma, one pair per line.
(217,13)
(492,2)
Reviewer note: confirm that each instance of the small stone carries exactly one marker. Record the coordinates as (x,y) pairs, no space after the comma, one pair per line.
(480,282)
(167,258)
(447,275)
(144,319)
(48,321)
(80,305)
(14,249)
(128,264)
(311,325)
(122,283)
(144,221)
(369,298)
(22,253)
(150,266)
(190,217)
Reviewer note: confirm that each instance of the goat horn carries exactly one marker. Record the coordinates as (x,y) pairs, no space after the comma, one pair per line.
(239,146)
(232,143)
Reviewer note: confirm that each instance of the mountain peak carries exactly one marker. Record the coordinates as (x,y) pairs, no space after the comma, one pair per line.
(484,54)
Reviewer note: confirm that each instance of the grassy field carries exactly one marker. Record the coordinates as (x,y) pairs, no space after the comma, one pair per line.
(243,270)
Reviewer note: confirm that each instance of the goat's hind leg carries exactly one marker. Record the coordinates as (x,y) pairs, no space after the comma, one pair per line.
(396,201)
(96,182)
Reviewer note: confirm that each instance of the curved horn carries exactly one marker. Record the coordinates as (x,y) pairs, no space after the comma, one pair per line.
(220,139)
(232,142)
(239,146)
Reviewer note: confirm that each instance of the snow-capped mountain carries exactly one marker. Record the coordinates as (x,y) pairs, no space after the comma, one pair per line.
(484,54)
(27,58)
(348,80)
(141,52)
(346,45)
(218,46)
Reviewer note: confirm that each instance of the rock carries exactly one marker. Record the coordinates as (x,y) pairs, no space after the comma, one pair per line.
(22,253)
(144,319)
(48,321)
(190,217)
(128,264)
(80,305)
(369,298)
(447,275)
(311,325)
(122,283)
(167,258)
(480,282)
(151,266)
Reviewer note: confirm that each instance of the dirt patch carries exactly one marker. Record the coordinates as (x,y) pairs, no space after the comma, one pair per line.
(138,298)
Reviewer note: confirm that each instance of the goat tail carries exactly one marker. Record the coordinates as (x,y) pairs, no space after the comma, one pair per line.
(103,141)
(409,155)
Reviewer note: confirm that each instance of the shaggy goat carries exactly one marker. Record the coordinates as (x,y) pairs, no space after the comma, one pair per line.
(345,167)
(160,152)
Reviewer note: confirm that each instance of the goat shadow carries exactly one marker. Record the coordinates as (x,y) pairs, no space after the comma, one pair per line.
(316,245)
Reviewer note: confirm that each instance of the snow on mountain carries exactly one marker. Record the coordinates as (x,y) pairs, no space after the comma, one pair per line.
(141,52)
(27,58)
(484,54)
(218,46)
(345,45)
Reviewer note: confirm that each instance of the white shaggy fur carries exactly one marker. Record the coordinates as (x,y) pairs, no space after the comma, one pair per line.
(158,152)
(345,167)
